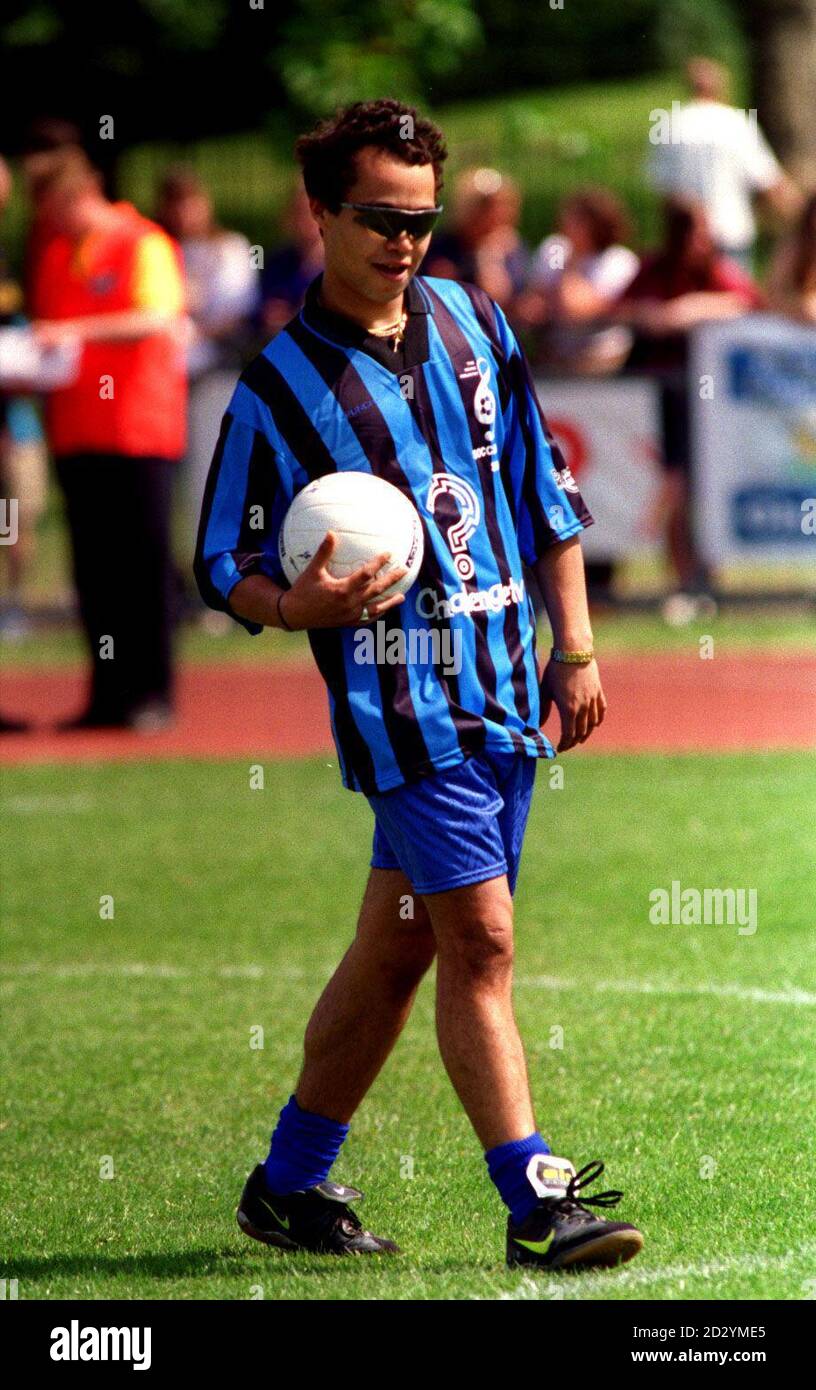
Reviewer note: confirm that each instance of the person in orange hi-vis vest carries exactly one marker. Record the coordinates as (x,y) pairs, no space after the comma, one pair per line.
(112,281)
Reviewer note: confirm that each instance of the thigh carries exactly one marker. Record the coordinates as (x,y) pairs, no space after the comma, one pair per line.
(393,919)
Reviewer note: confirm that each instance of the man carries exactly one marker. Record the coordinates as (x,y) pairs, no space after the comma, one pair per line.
(421,382)
(111,281)
(717,153)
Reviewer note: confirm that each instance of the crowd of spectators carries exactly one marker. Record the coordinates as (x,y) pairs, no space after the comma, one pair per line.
(183,302)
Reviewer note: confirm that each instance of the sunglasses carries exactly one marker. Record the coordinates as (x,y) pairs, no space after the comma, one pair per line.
(388,222)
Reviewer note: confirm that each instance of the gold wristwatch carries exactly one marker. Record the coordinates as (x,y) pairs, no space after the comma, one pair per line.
(571,658)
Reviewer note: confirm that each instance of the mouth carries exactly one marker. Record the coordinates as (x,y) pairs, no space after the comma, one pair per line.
(393,271)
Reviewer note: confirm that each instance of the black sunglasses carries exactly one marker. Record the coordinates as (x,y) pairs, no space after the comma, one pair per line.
(389,222)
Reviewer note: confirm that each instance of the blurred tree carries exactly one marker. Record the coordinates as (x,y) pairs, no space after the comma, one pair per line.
(783,67)
(337,51)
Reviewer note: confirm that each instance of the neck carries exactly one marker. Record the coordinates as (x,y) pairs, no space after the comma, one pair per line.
(339,297)
(102,215)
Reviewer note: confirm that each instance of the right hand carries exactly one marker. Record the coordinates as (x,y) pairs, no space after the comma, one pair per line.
(317,599)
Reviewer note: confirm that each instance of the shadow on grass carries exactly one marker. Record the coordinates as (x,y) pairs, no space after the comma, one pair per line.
(191,1264)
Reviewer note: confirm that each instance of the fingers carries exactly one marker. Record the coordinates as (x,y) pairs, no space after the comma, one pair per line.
(323,553)
(367,583)
(367,572)
(375,610)
(578,724)
(567,739)
(379,586)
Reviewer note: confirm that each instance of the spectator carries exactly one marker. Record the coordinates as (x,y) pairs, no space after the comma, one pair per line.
(289,271)
(222,295)
(50,143)
(792,277)
(483,246)
(23,460)
(577,275)
(685,283)
(717,154)
(111,281)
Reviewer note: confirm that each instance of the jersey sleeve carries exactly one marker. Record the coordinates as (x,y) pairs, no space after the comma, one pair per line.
(248,490)
(547,503)
(762,168)
(157,279)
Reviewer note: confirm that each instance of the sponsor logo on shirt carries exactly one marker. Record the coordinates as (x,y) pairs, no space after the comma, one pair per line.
(563,479)
(470,514)
(429,604)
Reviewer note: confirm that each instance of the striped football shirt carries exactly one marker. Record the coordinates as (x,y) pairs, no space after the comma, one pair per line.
(453,421)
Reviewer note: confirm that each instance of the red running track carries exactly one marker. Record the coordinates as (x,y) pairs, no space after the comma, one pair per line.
(665,702)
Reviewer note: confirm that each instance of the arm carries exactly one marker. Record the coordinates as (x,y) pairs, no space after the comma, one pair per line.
(783,198)
(576,690)
(125,325)
(577,300)
(550,513)
(156,302)
(660,318)
(237,566)
(316,599)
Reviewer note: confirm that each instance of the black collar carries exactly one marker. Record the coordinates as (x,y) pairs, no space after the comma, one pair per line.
(343,330)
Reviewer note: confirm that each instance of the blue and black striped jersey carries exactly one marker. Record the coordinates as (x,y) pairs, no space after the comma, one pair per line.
(454,424)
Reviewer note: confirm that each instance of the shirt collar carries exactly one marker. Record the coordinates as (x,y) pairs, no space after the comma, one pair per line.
(344,329)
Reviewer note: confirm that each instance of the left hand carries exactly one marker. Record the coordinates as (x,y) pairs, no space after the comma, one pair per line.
(578,696)
(53,332)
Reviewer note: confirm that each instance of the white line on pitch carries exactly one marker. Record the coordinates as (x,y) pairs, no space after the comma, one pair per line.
(153,970)
(156,970)
(749,993)
(531,1287)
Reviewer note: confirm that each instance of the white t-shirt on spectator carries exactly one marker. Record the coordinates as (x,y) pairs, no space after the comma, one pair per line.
(608,272)
(223,286)
(718,154)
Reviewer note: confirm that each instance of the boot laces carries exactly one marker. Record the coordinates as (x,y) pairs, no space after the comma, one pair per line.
(571,1202)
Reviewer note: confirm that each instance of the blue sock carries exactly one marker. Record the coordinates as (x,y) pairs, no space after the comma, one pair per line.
(507,1166)
(304,1147)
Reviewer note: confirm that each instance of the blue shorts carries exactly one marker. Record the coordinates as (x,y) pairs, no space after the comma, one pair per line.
(459,826)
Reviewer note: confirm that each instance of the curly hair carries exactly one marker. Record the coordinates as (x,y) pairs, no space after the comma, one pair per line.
(327,153)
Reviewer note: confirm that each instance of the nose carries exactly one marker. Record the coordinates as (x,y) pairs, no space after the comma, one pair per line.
(402,244)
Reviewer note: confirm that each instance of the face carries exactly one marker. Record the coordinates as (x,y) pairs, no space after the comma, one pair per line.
(70,212)
(190,215)
(577,229)
(371,265)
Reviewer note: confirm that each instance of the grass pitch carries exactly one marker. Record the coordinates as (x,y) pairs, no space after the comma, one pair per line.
(685,1059)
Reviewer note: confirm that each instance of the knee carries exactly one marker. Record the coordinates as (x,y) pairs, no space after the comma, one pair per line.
(480,949)
(406,965)
(409,955)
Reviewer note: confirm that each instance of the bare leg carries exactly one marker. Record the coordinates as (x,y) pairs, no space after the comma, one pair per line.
(366,1003)
(476,1026)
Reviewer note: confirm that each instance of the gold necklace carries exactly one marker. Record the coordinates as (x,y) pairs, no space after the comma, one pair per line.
(394,330)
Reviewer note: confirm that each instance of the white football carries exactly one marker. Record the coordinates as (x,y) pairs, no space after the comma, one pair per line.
(368,516)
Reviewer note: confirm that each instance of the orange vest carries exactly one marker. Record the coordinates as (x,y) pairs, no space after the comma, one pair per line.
(130,397)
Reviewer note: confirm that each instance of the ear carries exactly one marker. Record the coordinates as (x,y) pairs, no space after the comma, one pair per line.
(319,212)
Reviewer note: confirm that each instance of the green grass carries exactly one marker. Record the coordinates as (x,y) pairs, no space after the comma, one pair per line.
(131,1037)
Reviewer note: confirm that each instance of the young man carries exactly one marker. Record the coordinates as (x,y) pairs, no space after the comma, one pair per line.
(421,382)
(110,280)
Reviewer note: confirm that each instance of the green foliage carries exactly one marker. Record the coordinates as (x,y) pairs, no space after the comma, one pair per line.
(687,27)
(188,24)
(337,51)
